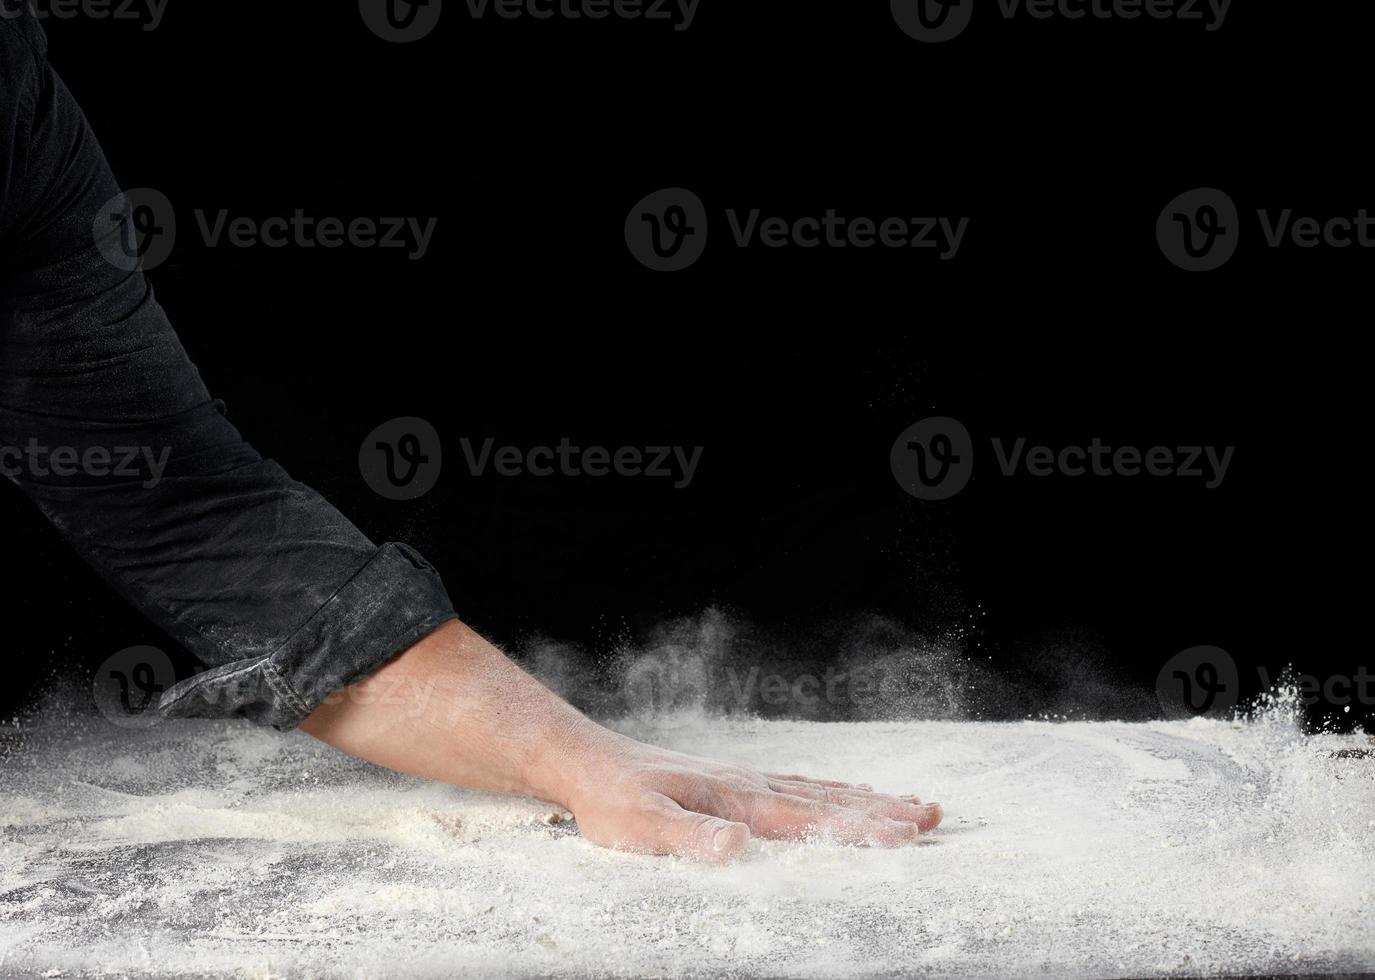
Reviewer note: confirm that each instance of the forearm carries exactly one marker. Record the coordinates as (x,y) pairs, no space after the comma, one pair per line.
(454,708)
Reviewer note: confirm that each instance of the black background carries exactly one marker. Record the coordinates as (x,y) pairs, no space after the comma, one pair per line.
(529,320)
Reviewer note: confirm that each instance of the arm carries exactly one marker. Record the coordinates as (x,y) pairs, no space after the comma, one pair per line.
(268,585)
(275,592)
(453,708)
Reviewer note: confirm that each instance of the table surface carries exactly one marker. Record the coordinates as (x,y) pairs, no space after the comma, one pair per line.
(1069,849)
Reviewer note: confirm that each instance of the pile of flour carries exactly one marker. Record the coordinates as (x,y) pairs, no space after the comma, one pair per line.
(1071,849)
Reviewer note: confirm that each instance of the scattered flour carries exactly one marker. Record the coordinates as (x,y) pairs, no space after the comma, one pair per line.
(1074,849)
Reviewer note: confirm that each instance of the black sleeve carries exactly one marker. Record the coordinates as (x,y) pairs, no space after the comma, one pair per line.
(106,425)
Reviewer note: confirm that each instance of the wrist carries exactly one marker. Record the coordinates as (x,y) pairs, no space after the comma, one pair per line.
(568,758)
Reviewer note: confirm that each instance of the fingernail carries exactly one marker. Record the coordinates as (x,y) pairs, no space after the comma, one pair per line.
(905,829)
(721,839)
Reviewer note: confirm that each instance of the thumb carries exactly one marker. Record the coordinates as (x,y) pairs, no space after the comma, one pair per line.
(664,827)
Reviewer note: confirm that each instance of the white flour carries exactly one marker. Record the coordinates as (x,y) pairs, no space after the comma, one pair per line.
(1077,849)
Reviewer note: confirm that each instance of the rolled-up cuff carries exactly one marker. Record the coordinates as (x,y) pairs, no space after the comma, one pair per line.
(393,601)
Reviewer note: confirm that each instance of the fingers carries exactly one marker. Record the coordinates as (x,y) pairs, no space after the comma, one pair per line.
(780,815)
(818,782)
(661,826)
(810,789)
(909,809)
